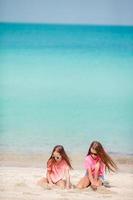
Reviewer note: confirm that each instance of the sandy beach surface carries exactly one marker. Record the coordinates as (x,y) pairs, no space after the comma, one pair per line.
(19,175)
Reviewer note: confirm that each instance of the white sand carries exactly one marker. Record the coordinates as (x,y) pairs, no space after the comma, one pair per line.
(19,183)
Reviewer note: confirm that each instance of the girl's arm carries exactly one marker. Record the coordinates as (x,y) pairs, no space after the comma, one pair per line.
(49,178)
(91,177)
(92,180)
(68,185)
(97,167)
(48,173)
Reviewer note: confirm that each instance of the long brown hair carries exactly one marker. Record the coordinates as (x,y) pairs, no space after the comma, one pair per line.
(60,149)
(107,160)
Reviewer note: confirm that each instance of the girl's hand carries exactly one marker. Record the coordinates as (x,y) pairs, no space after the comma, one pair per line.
(51,184)
(94,187)
(95,183)
(68,187)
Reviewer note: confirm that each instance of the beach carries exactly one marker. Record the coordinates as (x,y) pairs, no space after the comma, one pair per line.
(68,85)
(19,175)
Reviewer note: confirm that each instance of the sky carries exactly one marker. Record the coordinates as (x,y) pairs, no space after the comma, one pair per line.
(112,12)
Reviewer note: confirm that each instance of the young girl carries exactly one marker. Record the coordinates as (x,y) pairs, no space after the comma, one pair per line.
(96,162)
(58,166)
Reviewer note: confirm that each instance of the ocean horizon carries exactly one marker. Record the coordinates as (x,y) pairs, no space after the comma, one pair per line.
(66,84)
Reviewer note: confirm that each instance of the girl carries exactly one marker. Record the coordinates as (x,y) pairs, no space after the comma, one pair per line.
(58,166)
(96,162)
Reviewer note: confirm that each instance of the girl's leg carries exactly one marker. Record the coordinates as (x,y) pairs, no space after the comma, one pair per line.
(42,182)
(61,184)
(83,183)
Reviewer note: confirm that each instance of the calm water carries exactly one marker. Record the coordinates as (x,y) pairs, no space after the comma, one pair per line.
(66,84)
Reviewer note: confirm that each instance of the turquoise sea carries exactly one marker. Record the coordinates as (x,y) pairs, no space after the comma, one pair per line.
(66,84)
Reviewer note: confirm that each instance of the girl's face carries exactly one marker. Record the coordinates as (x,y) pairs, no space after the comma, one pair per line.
(93,153)
(57,156)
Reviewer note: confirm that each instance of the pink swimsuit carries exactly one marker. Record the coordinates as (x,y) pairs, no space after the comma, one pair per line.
(57,171)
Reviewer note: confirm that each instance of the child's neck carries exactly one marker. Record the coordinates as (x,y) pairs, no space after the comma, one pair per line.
(58,162)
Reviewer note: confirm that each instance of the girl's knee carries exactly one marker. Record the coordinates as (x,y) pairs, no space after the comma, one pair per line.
(79,186)
(61,184)
(84,182)
(42,181)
